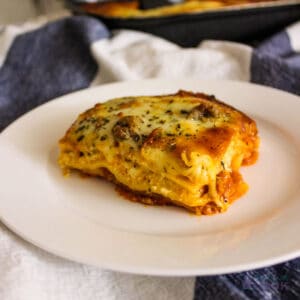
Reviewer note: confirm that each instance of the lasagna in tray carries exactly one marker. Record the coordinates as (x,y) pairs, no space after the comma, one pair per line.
(131,8)
(183,149)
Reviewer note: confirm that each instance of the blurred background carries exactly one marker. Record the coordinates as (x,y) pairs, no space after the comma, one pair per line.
(184,22)
(15,11)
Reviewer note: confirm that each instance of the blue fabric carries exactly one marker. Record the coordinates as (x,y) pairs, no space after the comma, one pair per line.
(46,63)
(274,63)
(56,59)
(280,282)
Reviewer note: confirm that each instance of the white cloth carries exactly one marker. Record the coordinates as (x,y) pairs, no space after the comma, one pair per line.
(27,272)
(132,55)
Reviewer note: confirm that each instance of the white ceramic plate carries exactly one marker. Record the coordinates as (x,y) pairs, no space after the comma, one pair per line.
(87,221)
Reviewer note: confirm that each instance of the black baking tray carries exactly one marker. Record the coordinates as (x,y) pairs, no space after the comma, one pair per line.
(246,25)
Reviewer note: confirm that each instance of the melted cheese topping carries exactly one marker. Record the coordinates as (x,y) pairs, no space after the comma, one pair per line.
(184,148)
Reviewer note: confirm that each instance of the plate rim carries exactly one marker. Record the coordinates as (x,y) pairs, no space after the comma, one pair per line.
(162,271)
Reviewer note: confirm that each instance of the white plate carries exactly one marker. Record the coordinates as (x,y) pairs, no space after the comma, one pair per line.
(87,221)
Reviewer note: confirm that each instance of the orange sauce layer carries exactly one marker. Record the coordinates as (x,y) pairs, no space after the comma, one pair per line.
(231,185)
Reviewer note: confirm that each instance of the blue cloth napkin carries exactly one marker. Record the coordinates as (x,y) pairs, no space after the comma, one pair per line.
(58,58)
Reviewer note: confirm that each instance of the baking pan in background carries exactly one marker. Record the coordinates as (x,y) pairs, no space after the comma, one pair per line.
(244,23)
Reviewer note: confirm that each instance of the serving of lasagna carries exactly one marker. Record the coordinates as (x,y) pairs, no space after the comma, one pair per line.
(183,149)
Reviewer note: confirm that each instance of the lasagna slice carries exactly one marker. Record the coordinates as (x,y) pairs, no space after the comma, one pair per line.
(184,149)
